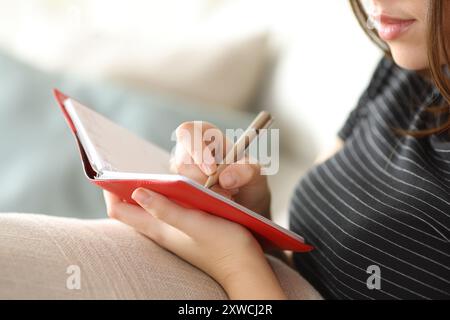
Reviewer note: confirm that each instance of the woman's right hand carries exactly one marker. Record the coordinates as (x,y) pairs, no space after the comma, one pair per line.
(241,181)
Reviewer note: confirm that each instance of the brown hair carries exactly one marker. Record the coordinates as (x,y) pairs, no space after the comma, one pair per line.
(438,51)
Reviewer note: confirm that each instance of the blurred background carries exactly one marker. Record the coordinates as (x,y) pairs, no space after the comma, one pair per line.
(151,64)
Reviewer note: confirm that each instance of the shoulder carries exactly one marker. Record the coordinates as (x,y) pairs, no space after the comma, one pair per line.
(388,77)
(389,85)
(385,71)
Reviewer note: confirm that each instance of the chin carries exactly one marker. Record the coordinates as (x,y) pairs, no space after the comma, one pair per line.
(411,58)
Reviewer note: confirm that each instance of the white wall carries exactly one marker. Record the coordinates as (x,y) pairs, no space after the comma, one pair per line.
(327,63)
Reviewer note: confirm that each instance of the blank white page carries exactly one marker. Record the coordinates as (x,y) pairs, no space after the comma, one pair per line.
(110,147)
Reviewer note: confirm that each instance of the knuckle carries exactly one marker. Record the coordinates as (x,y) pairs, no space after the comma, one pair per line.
(159,214)
(191,171)
(185,127)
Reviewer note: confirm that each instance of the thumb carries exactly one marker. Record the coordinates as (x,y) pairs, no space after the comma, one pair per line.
(238,175)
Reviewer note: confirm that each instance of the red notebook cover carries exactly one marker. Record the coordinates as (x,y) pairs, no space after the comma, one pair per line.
(189,194)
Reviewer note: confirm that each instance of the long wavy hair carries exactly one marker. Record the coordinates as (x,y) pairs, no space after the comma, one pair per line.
(438,54)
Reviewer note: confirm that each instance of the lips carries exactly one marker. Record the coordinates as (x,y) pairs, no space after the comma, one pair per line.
(390,28)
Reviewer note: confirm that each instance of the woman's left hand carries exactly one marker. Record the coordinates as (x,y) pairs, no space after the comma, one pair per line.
(225,250)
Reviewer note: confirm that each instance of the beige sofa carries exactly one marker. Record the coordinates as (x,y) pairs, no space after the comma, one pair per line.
(39,255)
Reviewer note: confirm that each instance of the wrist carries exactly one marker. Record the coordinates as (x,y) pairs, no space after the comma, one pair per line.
(252,279)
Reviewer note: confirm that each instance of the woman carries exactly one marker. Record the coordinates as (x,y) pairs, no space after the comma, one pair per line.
(380,203)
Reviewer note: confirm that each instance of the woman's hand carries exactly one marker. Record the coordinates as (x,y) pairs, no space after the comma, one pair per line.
(199,159)
(200,147)
(225,250)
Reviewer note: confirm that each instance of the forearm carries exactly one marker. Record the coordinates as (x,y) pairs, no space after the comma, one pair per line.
(254,281)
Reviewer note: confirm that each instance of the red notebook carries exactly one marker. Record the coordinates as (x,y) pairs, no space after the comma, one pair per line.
(116,160)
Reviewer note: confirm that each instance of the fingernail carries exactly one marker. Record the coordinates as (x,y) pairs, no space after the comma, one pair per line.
(141,196)
(228,180)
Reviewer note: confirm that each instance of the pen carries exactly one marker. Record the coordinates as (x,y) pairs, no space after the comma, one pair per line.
(262,121)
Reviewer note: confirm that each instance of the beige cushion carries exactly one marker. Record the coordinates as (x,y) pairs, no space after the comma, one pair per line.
(177,47)
(115,263)
(202,68)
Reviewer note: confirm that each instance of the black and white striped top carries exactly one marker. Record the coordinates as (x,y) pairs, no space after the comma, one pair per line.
(383,200)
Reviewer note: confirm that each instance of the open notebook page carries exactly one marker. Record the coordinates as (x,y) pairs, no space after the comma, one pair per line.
(111,148)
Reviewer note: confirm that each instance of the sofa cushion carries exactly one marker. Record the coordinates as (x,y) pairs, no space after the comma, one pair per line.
(112,260)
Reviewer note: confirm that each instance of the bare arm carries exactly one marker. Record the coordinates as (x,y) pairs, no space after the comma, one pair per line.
(254,281)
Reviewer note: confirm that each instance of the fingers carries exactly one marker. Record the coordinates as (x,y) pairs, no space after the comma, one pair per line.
(190,136)
(193,172)
(133,216)
(205,144)
(152,227)
(238,175)
(130,214)
(110,199)
(183,164)
(165,210)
